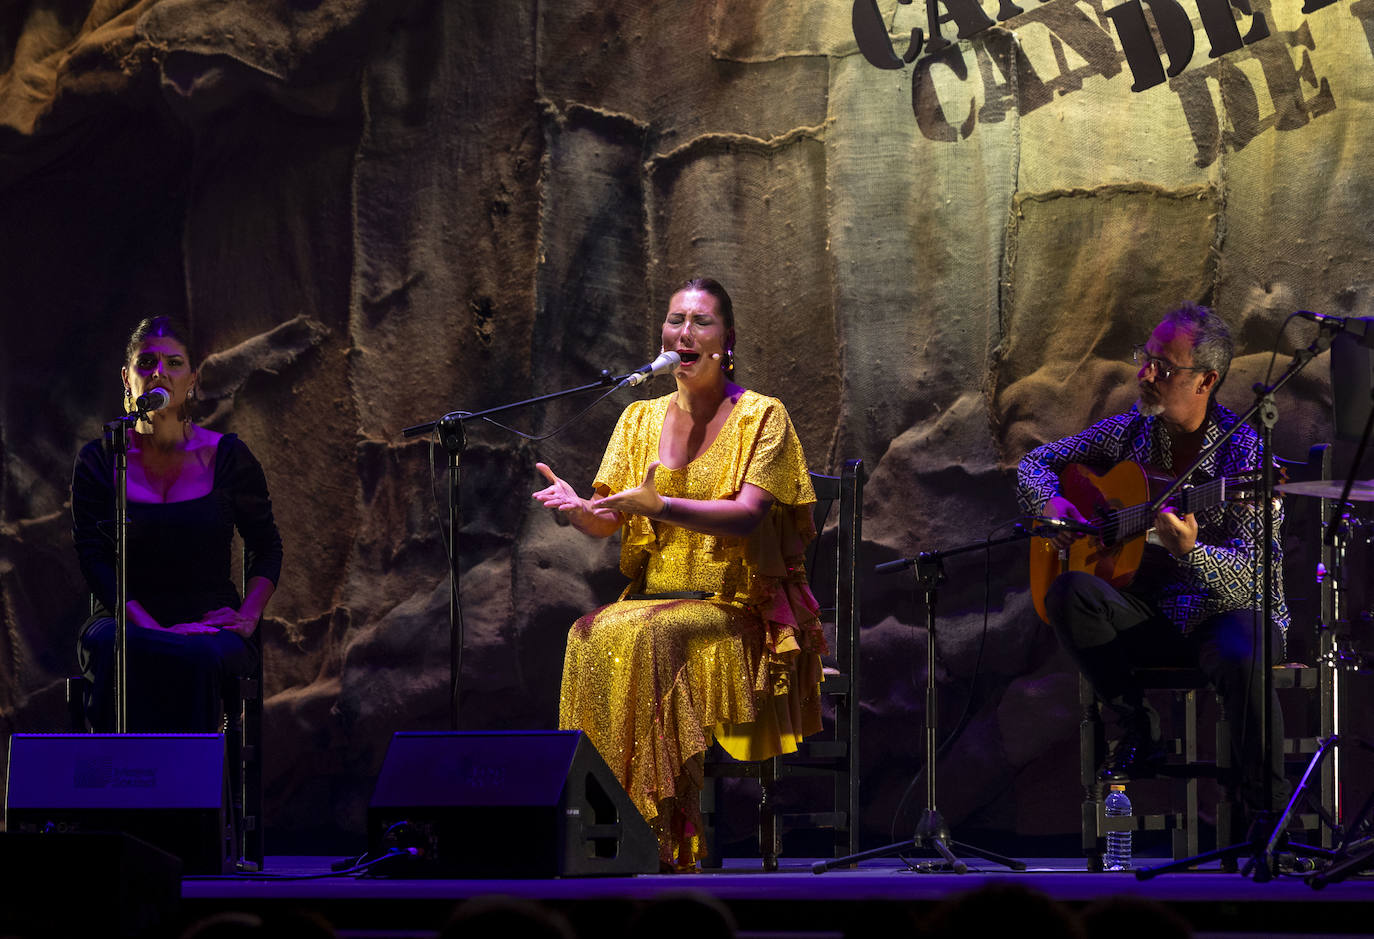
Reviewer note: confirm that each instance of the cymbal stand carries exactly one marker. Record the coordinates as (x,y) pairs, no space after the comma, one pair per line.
(932,833)
(1339,509)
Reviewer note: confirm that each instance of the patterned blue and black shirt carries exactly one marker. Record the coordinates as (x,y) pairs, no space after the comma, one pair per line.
(1220,574)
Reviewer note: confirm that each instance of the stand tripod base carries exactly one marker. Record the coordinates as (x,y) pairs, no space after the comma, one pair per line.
(1261,847)
(1346,864)
(931,835)
(1267,840)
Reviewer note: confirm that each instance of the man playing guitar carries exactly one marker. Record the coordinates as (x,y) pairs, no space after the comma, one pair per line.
(1194,597)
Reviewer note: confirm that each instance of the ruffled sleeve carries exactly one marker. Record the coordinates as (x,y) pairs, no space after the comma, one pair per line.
(762,449)
(775,552)
(774,555)
(776,462)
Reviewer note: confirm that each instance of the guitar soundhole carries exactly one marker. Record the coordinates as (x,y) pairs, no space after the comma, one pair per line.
(1107,532)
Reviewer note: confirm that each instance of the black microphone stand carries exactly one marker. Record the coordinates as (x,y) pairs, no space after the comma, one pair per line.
(117,440)
(453,438)
(931,831)
(1263,859)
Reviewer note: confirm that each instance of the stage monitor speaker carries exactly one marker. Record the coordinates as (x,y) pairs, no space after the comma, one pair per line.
(506,804)
(86,884)
(169,790)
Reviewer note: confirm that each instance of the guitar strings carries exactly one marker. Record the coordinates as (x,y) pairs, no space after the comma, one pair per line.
(1123,523)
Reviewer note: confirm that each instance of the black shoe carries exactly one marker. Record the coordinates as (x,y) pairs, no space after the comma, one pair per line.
(1133,757)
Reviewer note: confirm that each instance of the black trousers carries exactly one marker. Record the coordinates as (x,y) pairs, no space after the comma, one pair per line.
(176,683)
(1111,632)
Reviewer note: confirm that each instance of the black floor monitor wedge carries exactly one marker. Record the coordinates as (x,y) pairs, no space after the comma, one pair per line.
(169,790)
(505,804)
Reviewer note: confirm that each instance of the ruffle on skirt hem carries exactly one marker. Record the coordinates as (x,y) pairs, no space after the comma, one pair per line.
(650,682)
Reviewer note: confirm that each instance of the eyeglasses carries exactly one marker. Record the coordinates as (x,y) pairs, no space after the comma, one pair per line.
(1162,368)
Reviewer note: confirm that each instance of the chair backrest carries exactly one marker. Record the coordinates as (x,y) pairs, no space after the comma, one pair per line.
(833,567)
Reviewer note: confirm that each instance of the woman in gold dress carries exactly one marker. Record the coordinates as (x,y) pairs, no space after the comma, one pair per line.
(716,635)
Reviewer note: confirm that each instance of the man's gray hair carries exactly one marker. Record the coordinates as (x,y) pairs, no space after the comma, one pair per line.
(1212,345)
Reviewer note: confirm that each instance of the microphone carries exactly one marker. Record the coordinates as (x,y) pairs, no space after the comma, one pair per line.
(1065,524)
(665,361)
(154,399)
(1355,325)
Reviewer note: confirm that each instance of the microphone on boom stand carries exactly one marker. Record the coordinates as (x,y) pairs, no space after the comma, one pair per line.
(664,362)
(932,833)
(154,399)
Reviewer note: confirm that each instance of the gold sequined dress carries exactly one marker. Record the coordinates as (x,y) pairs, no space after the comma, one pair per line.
(651,682)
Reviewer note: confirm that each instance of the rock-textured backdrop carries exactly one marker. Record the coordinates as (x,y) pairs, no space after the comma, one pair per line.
(372,212)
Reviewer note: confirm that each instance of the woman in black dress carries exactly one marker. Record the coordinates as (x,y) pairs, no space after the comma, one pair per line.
(189,631)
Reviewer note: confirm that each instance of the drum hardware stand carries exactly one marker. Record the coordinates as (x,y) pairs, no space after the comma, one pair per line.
(1338,511)
(454,439)
(931,831)
(1355,853)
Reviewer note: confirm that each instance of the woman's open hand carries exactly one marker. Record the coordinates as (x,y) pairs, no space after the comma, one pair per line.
(641,500)
(583,513)
(558,494)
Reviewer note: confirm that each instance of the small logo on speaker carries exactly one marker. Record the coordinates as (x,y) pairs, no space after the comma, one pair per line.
(134,777)
(93,774)
(477,775)
(103,774)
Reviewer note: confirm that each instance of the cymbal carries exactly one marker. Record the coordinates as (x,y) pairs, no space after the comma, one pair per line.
(1362,491)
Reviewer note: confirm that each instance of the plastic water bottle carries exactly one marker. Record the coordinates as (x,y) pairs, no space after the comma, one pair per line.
(1118,856)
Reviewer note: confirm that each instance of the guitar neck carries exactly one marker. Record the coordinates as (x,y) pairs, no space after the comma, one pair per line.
(1129,522)
(1116,552)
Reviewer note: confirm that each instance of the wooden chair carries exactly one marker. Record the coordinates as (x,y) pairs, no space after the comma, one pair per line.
(1183,771)
(1186,764)
(834,575)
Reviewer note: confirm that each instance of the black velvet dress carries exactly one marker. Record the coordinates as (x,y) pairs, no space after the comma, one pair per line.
(178,569)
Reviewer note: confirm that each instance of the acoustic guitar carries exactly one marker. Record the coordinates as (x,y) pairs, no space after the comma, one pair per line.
(1117,507)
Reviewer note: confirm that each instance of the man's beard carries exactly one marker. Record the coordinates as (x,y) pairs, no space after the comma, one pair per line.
(1149,408)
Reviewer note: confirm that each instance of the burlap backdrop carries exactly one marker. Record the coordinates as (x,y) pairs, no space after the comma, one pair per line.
(374,213)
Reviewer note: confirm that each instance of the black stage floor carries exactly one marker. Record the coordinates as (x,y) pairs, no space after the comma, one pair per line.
(793,902)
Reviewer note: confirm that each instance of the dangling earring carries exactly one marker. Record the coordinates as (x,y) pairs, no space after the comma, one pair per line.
(128,400)
(730,361)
